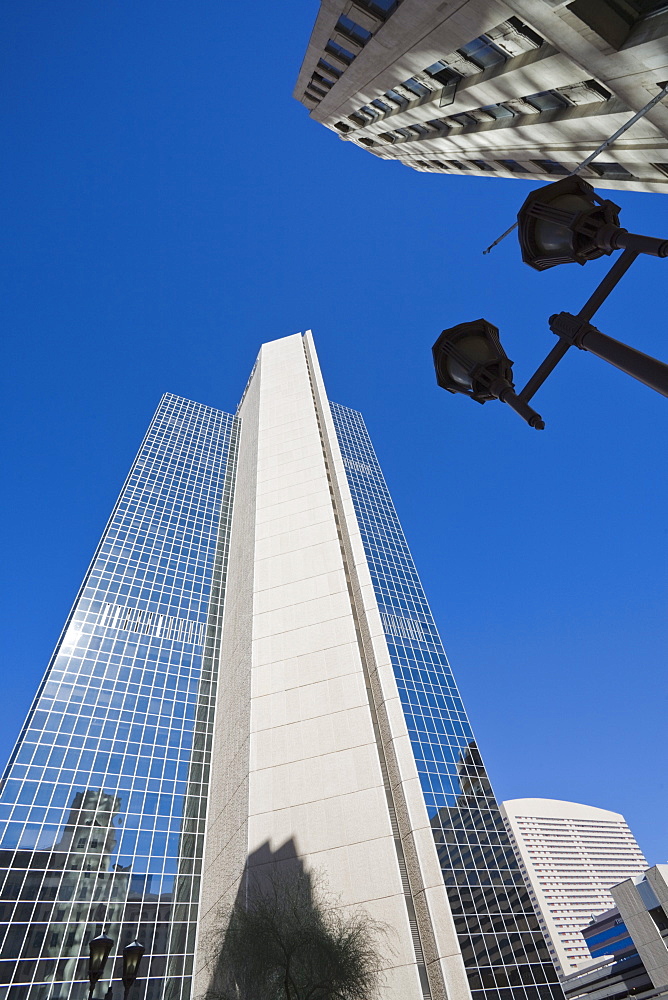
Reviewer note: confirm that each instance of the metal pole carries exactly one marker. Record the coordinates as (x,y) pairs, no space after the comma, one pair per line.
(580,333)
(520,406)
(502,237)
(620,131)
(600,149)
(544,369)
(503,390)
(648,370)
(651,245)
(601,292)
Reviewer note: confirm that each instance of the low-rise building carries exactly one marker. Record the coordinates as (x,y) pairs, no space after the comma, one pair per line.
(628,944)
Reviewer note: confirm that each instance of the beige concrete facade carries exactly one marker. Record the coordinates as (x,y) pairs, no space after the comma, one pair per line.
(310,747)
(527,88)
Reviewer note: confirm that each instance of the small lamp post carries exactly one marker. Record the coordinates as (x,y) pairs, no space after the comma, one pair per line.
(132,955)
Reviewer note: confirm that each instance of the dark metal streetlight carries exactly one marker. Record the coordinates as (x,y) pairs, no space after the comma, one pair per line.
(100,947)
(561,223)
(469,359)
(568,223)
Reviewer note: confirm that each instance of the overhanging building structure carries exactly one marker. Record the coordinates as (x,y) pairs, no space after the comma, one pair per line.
(251,676)
(524,88)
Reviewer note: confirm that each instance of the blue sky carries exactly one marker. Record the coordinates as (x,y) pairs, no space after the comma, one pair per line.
(167,208)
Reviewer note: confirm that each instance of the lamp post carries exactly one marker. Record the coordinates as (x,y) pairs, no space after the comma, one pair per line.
(99,949)
(469,359)
(568,223)
(561,223)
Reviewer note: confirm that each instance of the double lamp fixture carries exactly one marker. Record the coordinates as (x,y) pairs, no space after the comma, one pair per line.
(562,223)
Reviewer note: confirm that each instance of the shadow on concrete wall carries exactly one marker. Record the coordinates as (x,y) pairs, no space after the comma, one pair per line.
(275,884)
(288,937)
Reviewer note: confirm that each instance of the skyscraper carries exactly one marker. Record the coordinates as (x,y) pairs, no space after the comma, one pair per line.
(571,855)
(524,88)
(251,675)
(99,802)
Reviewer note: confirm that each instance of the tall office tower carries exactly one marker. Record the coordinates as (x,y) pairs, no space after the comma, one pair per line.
(251,677)
(523,88)
(570,855)
(100,803)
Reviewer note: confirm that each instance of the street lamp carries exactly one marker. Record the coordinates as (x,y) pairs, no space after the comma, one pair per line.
(99,949)
(561,223)
(568,223)
(469,359)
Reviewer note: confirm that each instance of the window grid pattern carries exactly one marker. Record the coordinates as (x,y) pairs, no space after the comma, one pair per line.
(502,945)
(103,802)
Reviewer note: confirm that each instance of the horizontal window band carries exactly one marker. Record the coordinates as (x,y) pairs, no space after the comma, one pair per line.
(126,619)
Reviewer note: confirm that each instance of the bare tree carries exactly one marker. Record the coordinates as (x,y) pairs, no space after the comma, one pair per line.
(287,940)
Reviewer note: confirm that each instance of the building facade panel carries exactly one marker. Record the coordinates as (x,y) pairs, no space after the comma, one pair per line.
(313,761)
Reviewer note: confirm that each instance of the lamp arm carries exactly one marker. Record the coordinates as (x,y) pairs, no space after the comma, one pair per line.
(520,406)
(578,333)
(614,238)
(544,369)
(594,302)
(503,390)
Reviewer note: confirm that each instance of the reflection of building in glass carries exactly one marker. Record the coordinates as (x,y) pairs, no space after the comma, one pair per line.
(87,846)
(500,938)
(338,728)
(570,854)
(54,894)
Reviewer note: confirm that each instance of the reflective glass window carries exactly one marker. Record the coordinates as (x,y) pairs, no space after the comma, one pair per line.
(96,832)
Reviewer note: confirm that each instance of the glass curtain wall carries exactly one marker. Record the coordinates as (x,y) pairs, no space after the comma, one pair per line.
(102,804)
(503,948)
